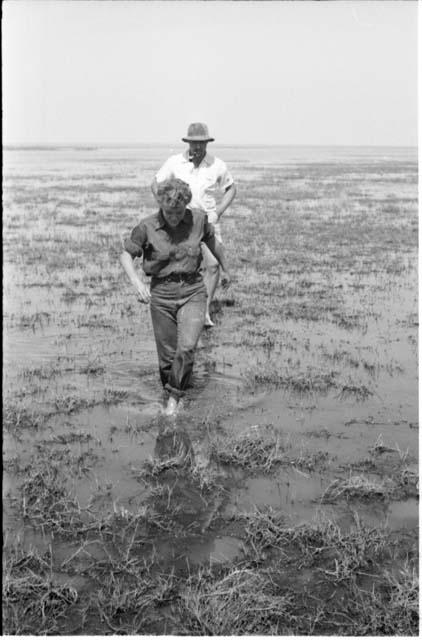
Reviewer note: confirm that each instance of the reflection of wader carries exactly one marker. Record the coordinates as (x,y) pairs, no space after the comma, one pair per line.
(174,447)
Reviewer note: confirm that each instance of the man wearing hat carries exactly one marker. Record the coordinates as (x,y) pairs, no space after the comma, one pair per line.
(206,175)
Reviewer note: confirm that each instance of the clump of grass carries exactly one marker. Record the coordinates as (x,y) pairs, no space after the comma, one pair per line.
(71,403)
(379,447)
(47,502)
(45,372)
(114,396)
(242,602)
(358,487)
(70,295)
(122,603)
(265,529)
(174,451)
(339,555)
(310,461)
(33,603)
(93,367)
(347,553)
(409,482)
(127,529)
(309,382)
(34,319)
(126,602)
(67,438)
(390,610)
(16,418)
(358,392)
(349,321)
(257,448)
(153,468)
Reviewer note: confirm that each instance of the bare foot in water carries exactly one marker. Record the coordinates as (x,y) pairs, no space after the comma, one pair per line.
(171,408)
(208,322)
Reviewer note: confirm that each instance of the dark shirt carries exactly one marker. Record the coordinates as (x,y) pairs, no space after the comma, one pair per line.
(167,250)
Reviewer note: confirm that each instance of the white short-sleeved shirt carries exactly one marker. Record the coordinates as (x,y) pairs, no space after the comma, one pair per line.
(205,181)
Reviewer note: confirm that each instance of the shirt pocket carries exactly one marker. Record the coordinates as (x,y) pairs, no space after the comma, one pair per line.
(187,250)
(209,183)
(159,256)
(156,254)
(193,249)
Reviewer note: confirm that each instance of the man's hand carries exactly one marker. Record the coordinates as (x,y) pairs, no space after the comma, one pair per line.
(143,292)
(226,279)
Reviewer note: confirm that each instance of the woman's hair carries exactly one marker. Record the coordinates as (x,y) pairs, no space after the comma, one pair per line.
(173,192)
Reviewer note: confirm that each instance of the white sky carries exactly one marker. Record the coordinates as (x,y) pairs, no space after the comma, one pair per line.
(339,72)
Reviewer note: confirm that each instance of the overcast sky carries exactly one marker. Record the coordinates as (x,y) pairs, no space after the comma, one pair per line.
(312,73)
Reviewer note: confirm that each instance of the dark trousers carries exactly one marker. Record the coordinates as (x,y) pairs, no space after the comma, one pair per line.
(178,314)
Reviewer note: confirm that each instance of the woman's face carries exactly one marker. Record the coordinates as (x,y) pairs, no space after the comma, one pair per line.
(173,215)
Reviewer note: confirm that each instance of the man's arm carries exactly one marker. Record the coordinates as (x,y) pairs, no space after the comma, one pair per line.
(165,172)
(216,249)
(154,186)
(226,200)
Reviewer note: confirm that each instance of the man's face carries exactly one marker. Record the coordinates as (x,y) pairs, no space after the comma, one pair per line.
(197,150)
(173,215)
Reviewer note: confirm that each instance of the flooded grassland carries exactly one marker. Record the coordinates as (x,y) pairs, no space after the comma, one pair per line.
(284,498)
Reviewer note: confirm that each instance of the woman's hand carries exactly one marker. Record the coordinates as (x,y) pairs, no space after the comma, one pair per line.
(226,279)
(143,292)
(141,288)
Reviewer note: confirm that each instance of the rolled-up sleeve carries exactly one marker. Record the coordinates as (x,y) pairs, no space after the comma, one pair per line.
(224,179)
(136,242)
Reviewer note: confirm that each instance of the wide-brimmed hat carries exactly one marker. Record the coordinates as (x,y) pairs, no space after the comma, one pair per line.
(198,132)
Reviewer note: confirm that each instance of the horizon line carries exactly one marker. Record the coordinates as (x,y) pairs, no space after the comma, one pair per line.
(166,144)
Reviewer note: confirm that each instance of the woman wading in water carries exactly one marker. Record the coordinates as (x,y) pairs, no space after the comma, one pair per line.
(170,245)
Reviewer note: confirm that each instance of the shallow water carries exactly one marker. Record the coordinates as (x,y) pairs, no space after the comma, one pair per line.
(326,286)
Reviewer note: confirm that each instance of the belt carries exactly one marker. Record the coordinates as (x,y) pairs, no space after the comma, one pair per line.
(190,278)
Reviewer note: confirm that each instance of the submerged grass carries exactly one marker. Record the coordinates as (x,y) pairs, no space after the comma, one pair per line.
(48,504)
(260,595)
(308,382)
(391,609)
(337,554)
(258,448)
(359,487)
(33,601)
(121,604)
(358,392)
(16,418)
(263,448)
(286,293)
(241,602)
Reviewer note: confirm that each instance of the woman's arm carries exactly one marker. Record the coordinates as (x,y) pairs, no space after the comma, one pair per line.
(141,287)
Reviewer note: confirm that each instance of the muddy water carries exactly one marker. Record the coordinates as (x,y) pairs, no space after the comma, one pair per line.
(74,331)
